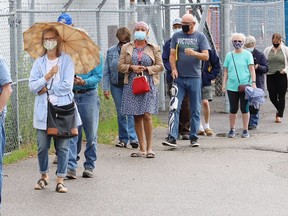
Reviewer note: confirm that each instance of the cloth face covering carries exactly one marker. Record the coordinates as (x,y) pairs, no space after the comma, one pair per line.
(50,45)
(185,28)
(237,44)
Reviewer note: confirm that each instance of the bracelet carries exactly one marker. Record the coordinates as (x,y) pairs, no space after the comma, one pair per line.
(253,81)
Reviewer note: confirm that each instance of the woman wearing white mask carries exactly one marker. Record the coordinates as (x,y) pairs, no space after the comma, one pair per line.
(238,70)
(136,57)
(52,73)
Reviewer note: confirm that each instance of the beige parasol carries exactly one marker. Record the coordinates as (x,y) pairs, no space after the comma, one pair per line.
(84,52)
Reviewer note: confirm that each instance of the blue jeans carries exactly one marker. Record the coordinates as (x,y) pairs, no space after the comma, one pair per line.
(126,129)
(88,105)
(62,149)
(191,86)
(2,151)
(254,118)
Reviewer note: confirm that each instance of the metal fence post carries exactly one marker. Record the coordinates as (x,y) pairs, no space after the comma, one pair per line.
(13,67)
(225,22)
(160,40)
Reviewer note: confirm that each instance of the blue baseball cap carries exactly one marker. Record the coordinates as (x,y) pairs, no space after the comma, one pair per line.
(65,18)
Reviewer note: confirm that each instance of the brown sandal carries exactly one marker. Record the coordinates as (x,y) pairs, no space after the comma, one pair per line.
(150,155)
(41,184)
(138,154)
(60,188)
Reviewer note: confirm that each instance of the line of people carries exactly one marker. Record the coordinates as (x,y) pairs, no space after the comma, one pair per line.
(191,69)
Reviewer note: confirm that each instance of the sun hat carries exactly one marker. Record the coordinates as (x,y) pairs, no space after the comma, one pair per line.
(65,18)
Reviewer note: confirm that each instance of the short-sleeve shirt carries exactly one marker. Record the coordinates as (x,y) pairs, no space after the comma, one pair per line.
(188,66)
(242,61)
(5,76)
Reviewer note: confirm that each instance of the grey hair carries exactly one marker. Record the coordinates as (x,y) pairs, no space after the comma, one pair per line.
(234,35)
(250,41)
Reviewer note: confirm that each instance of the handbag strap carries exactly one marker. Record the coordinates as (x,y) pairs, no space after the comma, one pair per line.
(235,68)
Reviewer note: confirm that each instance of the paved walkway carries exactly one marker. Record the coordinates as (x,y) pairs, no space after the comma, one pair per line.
(221,177)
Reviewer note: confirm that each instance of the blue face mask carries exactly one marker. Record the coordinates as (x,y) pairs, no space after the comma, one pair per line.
(140,35)
(177,30)
(250,49)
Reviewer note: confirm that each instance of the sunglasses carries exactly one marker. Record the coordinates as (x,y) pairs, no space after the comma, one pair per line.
(235,41)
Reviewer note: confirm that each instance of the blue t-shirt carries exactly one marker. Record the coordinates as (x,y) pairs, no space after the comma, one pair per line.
(5,77)
(242,62)
(188,66)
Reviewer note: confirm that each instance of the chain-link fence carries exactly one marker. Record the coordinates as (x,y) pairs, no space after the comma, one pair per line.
(102,19)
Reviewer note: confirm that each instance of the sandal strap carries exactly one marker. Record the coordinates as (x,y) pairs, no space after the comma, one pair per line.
(42,183)
(60,187)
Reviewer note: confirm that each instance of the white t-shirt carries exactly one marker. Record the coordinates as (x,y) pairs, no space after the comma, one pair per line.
(56,77)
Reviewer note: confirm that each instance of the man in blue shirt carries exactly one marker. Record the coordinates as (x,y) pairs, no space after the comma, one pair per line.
(87,100)
(5,92)
(184,119)
(188,48)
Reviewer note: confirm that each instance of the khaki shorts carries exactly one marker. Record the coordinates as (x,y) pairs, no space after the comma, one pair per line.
(207,93)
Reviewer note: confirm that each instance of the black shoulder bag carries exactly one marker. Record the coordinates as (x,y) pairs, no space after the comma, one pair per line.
(61,120)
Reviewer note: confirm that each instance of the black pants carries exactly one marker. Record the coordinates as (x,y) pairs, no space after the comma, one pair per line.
(234,98)
(277,87)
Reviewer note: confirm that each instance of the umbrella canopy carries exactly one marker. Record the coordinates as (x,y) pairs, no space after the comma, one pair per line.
(75,42)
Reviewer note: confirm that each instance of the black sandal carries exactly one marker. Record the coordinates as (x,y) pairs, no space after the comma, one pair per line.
(121,144)
(41,184)
(134,145)
(60,188)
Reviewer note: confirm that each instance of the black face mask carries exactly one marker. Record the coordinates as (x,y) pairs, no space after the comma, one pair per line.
(276,45)
(185,28)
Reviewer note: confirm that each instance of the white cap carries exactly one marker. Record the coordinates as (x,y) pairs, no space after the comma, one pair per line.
(177,21)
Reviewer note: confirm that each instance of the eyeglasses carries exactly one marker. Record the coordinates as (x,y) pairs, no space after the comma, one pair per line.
(50,39)
(235,41)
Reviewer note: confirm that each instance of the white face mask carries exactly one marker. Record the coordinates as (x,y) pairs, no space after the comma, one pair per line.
(177,30)
(50,44)
(250,49)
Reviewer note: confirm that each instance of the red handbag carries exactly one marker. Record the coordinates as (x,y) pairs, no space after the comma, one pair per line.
(140,84)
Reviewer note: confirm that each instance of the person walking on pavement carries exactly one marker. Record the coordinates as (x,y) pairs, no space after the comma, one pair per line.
(114,81)
(141,57)
(188,48)
(48,77)
(261,68)
(210,71)
(184,118)
(277,56)
(238,70)
(5,93)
